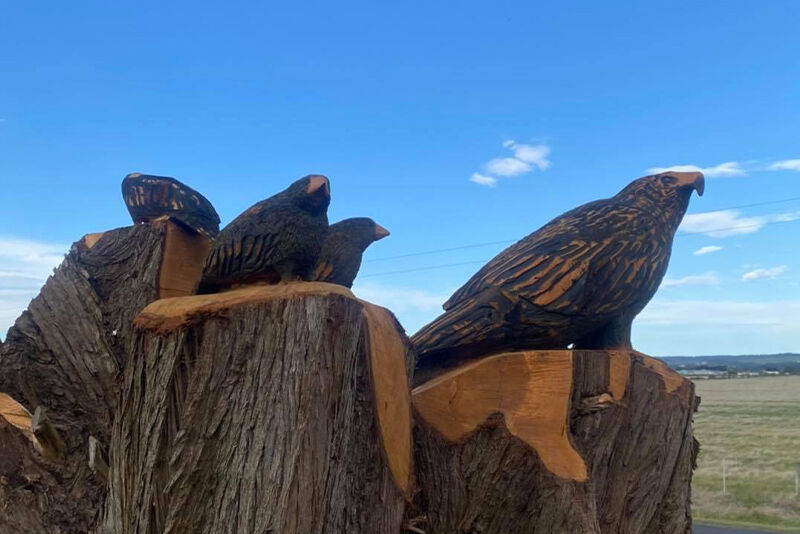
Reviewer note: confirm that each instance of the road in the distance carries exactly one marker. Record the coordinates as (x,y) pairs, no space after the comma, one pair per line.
(705,529)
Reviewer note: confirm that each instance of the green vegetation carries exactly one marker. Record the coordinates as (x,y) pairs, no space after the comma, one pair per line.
(753,424)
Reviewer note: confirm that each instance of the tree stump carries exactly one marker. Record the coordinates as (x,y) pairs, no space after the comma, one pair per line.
(278,408)
(556,442)
(64,354)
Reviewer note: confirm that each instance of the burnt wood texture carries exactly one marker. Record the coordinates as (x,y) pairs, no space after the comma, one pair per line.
(555,442)
(345,243)
(277,239)
(263,409)
(580,279)
(149,197)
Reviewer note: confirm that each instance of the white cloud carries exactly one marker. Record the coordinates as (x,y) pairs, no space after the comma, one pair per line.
(24,267)
(507,166)
(785,165)
(729,168)
(782,314)
(533,154)
(413,307)
(399,299)
(768,273)
(482,179)
(702,251)
(707,279)
(728,223)
(693,327)
(526,158)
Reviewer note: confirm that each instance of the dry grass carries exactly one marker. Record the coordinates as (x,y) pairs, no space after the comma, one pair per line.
(754,425)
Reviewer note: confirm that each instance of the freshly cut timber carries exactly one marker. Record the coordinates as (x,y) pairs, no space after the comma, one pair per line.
(579,280)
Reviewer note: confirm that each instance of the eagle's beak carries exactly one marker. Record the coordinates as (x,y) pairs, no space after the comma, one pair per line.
(695,180)
(380,232)
(316,183)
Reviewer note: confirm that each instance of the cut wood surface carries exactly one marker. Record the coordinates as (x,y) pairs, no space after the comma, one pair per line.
(16,415)
(622,415)
(259,410)
(182,263)
(530,389)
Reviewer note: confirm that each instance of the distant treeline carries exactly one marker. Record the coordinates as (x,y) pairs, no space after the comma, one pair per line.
(783,363)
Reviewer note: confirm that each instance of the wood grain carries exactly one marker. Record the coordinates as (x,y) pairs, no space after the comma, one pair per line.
(256,410)
(631,431)
(185,252)
(531,389)
(387,352)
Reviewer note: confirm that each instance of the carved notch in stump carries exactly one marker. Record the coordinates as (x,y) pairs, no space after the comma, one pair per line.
(278,408)
(531,389)
(556,442)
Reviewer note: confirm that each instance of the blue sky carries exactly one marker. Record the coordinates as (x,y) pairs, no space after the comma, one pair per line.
(401,105)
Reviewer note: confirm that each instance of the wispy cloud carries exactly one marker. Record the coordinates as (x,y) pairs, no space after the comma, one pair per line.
(702,251)
(524,159)
(693,327)
(781,314)
(729,168)
(536,155)
(785,165)
(24,267)
(768,273)
(413,307)
(707,279)
(507,166)
(728,223)
(482,179)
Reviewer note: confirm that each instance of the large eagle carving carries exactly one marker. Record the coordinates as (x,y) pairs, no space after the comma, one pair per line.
(579,280)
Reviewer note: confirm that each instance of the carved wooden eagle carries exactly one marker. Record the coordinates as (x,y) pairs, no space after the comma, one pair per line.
(340,258)
(277,239)
(580,279)
(150,197)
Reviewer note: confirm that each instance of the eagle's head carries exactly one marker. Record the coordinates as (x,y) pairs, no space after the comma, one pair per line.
(360,231)
(665,196)
(311,193)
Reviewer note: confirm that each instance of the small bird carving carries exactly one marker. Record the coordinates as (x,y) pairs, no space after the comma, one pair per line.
(149,197)
(277,239)
(343,248)
(579,280)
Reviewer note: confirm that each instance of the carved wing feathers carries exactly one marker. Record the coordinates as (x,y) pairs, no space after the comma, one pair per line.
(591,247)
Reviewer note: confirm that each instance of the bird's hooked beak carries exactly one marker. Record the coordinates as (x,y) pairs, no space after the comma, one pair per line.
(695,180)
(317,182)
(380,232)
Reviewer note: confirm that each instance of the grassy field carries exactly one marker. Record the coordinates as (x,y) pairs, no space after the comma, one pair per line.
(753,424)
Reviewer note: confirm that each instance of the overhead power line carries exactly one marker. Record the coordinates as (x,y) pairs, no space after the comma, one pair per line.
(445,265)
(506,241)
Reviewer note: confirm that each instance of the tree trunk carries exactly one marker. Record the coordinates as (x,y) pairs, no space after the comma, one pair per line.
(556,442)
(278,409)
(63,356)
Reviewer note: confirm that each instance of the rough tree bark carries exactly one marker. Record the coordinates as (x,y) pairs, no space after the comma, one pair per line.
(64,354)
(279,409)
(556,442)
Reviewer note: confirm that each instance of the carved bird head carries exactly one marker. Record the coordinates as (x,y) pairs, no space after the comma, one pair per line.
(361,231)
(665,196)
(311,193)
